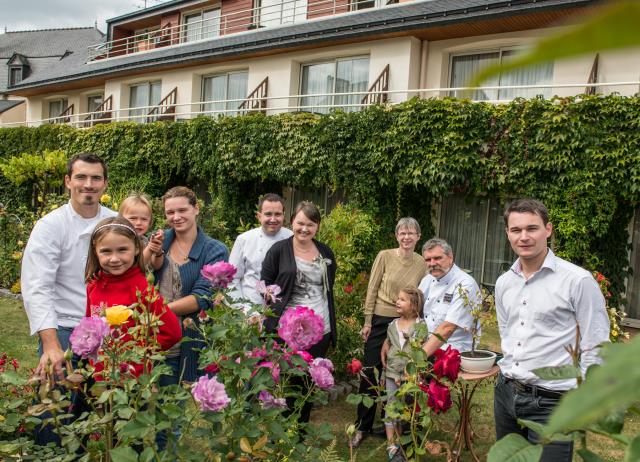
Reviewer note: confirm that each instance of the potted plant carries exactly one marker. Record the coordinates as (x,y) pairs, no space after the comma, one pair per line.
(477,361)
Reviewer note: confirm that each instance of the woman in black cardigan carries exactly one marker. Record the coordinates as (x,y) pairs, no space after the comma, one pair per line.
(305,270)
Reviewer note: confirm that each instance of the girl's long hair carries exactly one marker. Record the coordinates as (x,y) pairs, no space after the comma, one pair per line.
(117,225)
(416,299)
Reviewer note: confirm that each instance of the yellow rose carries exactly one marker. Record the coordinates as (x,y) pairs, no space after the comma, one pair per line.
(117,314)
(15,288)
(105,198)
(16,255)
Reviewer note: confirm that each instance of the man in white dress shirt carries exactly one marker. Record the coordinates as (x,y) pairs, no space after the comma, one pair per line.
(541,302)
(52,279)
(446,312)
(250,248)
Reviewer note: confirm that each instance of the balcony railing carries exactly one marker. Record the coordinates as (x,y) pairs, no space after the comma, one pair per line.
(285,12)
(271,105)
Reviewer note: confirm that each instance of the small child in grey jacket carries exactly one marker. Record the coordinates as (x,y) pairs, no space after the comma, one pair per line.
(400,331)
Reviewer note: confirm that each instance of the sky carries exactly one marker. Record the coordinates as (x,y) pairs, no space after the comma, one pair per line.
(49,14)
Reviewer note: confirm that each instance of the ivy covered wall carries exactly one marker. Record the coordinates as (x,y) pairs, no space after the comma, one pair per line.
(581,156)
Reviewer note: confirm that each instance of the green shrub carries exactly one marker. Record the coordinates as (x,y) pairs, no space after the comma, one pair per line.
(354,237)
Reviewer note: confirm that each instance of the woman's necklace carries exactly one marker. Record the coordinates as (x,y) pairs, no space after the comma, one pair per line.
(185,255)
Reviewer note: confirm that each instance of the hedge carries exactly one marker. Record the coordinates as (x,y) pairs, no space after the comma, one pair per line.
(579,155)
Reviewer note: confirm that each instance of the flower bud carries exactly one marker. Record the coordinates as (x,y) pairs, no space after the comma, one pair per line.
(351,430)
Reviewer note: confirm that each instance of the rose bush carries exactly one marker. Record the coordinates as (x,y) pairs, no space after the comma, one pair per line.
(247,402)
(422,396)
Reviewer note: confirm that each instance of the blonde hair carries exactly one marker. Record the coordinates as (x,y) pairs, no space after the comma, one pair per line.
(118,225)
(416,299)
(136,199)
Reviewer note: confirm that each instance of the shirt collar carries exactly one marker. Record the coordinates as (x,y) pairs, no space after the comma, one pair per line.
(75,214)
(549,262)
(446,279)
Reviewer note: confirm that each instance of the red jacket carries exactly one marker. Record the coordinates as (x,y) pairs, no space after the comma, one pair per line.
(106,290)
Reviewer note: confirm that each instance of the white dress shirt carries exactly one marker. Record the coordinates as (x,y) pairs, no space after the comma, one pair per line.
(247,256)
(442,302)
(52,278)
(537,319)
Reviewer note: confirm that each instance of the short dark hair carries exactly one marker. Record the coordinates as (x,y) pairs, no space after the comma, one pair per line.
(89,158)
(310,210)
(527,206)
(269,197)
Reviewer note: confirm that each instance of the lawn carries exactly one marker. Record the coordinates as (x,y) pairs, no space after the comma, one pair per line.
(16,341)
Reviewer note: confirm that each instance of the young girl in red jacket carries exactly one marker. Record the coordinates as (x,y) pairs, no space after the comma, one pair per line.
(115,274)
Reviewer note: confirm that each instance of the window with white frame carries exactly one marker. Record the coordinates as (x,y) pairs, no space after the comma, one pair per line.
(223,93)
(345,75)
(94,102)
(201,25)
(465,66)
(143,96)
(365,4)
(475,229)
(276,12)
(57,107)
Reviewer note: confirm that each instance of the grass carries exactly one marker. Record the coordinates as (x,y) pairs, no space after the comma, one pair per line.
(338,414)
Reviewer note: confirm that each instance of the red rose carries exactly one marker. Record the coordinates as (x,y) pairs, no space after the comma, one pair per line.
(15,364)
(95,436)
(439,397)
(447,363)
(203,316)
(354,367)
(212,368)
(348,288)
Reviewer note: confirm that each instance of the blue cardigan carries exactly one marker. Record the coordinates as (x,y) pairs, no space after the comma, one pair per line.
(204,251)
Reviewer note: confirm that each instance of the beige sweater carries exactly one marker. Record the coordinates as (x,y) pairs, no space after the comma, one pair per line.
(389,274)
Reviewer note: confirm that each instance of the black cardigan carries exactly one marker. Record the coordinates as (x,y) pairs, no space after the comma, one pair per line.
(279,267)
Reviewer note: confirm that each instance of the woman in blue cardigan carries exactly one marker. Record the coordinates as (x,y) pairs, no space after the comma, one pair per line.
(305,270)
(186,250)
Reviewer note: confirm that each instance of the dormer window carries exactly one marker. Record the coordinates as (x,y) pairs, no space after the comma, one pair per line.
(15,75)
(18,69)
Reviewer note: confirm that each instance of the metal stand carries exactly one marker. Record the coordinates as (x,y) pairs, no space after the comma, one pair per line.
(466,388)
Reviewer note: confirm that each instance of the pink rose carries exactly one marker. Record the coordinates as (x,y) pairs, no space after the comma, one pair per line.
(268,401)
(301,328)
(210,394)
(86,339)
(220,274)
(320,371)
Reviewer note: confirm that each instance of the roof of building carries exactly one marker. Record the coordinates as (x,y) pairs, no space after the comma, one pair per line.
(44,48)
(6,104)
(152,9)
(393,18)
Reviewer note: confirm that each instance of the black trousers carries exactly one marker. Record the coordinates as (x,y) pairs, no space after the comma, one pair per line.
(319,350)
(372,369)
(510,405)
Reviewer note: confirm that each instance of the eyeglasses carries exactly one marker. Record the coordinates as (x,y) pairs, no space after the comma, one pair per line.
(407,234)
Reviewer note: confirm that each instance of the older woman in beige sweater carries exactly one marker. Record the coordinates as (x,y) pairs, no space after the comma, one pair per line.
(392,270)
